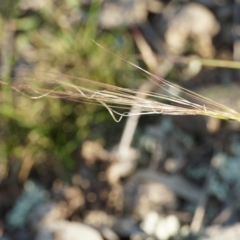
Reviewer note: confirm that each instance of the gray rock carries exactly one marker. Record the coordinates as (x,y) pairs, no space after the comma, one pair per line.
(64,230)
(122,13)
(220,232)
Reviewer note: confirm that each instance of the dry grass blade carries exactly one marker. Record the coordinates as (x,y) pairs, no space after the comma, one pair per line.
(174,100)
(206,62)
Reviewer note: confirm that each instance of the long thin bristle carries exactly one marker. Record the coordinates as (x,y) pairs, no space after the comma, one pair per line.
(117,99)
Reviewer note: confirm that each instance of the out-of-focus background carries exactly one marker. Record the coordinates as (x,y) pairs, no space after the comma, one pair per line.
(68,171)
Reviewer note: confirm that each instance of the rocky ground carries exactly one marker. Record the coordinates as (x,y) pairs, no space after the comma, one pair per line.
(173,177)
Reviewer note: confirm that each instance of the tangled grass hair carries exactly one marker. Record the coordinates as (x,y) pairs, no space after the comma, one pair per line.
(173,99)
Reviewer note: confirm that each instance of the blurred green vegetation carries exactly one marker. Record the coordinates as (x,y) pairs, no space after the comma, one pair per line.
(55,35)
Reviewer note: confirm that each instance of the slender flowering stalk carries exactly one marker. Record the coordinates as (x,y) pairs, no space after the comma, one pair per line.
(173,99)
